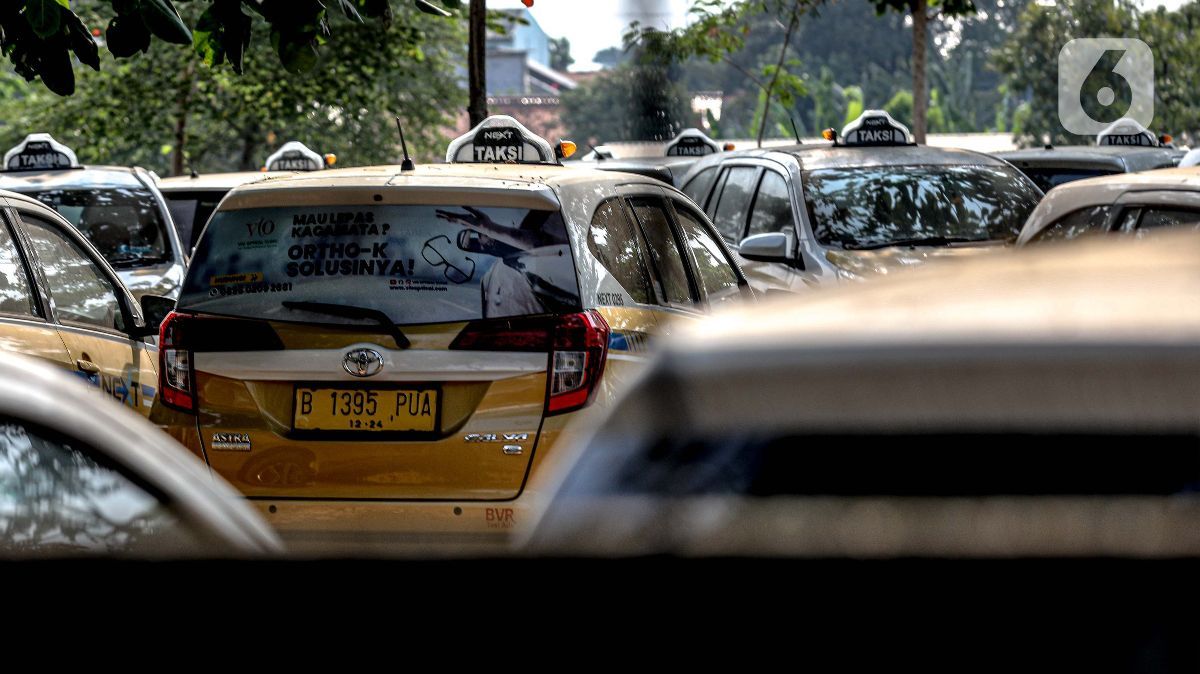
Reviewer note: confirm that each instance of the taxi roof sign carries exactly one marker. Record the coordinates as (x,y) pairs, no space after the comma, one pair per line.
(1126,131)
(875,128)
(500,139)
(692,143)
(295,156)
(39,152)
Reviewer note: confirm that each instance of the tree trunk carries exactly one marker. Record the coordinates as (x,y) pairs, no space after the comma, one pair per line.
(476,64)
(920,97)
(250,145)
(179,156)
(787,37)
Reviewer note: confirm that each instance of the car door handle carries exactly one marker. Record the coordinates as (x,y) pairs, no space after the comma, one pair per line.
(88,366)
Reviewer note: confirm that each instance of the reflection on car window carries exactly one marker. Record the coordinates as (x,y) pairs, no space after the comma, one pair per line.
(613,241)
(698,187)
(1076,224)
(772,207)
(1155,218)
(123,223)
(79,291)
(57,501)
(730,217)
(668,261)
(872,206)
(718,282)
(16,295)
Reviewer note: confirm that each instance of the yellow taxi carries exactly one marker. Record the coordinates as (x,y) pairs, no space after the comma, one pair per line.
(397,349)
(60,301)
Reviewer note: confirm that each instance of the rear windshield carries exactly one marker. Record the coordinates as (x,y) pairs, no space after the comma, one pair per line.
(873,206)
(416,264)
(190,210)
(1048,178)
(123,223)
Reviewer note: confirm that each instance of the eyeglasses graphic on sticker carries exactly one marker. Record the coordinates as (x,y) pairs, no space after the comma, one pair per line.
(435,257)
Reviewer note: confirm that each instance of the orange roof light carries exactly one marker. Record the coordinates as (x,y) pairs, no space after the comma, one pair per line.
(829,134)
(1166,139)
(565,147)
(330,159)
(728,147)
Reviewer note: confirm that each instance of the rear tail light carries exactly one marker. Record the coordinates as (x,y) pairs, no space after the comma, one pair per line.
(577,361)
(577,344)
(176,381)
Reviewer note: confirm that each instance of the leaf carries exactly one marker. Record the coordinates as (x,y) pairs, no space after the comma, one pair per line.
(81,41)
(44,17)
(126,36)
(54,67)
(164,21)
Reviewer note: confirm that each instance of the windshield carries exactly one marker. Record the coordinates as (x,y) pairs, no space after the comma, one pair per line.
(873,206)
(416,264)
(123,223)
(1048,178)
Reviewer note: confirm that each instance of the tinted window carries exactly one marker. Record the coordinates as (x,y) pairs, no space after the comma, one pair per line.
(656,226)
(870,207)
(730,216)
(1047,178)
(1154,218)
(772,207)
(1076,224)
(79,290)
(718,282)
(613,241)
(57,500)
(123,223)
(16,294)
(191,211)
(698,187)
(417,264)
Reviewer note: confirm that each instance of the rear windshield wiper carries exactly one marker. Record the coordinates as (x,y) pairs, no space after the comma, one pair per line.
(926,241)
(134,259)
(349,311)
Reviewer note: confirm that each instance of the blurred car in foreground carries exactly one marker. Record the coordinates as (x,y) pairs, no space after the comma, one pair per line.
(1041,403)
(1133,203)
(79,476)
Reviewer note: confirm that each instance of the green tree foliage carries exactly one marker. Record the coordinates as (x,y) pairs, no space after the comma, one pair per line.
(633,101)
(39,37)
(560,54)
(170,112)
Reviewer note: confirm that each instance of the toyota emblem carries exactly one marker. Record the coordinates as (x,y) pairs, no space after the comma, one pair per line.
(363,362)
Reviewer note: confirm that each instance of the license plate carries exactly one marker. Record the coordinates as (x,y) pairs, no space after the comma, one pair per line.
(339,409)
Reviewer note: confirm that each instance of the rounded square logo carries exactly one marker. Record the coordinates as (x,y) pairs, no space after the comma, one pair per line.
(1101,80)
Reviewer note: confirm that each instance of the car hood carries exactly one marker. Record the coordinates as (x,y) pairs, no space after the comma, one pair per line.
(864,263)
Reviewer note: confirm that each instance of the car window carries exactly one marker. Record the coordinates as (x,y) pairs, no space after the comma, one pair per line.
(1076,223)
(415,263)
(698,187)
(730,216)
(613,240)
(57,500)
(1048,178)
(772,207)
(191,211)
(717,279)
(664,250)
(80,292)
(1155,218)
(16,292)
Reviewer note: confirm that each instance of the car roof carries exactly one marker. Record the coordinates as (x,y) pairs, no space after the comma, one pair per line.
(88,176)
(1125,158)
(829,156)
(33,391)
(528,185)
(215,182)
(1146,289)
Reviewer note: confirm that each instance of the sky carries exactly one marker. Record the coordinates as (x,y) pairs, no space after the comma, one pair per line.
(592,25)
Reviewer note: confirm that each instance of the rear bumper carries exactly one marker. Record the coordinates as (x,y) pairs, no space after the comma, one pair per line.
(388,528)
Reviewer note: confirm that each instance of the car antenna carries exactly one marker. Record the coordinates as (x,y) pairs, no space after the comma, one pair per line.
(599,157)
(795,132)
(407,164)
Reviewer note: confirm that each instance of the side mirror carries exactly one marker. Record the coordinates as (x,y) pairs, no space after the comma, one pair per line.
(154,309)
(773,247)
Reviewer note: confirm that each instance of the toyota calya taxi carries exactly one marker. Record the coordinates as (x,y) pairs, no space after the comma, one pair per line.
(118,209)
(396,349)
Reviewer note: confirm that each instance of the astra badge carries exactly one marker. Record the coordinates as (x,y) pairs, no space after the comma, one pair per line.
(363,362)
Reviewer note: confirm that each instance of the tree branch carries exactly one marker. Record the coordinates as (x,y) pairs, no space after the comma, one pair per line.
(787,37)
